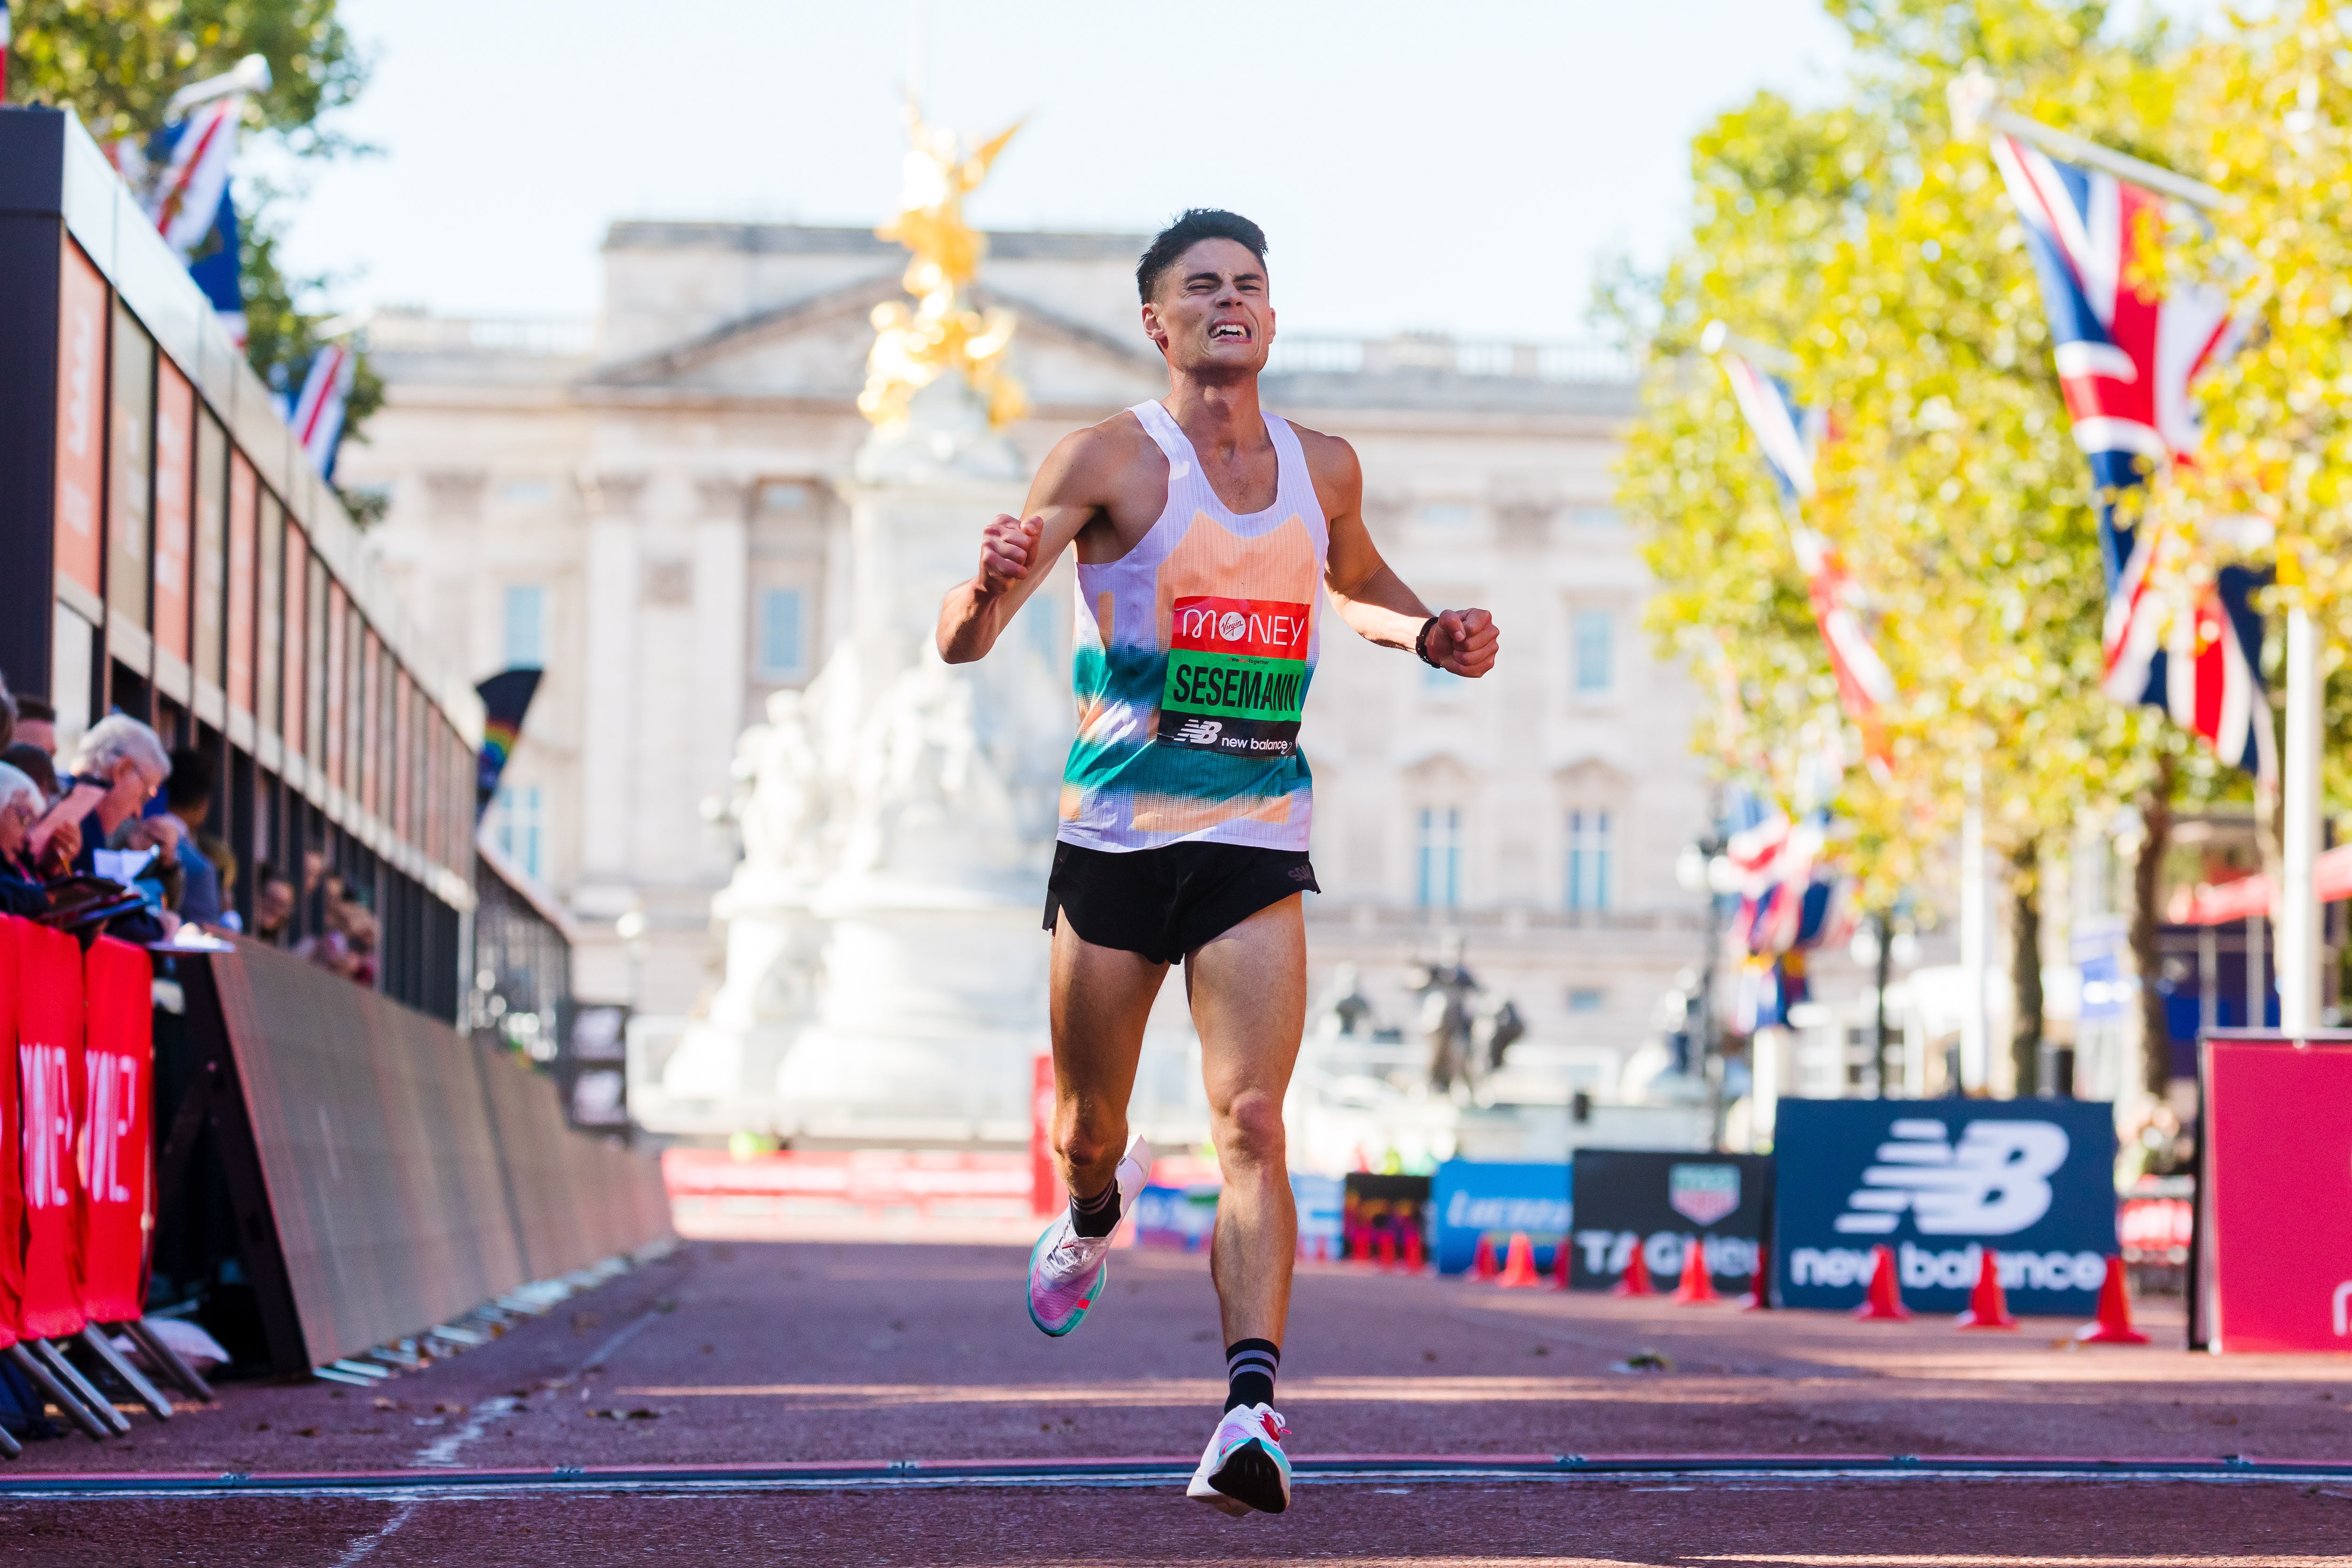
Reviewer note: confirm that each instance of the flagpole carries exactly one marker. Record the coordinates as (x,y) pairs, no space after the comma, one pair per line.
(1976,1026)
(2298,904)
(1974,101)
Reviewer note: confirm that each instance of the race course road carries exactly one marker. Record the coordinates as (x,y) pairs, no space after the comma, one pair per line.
(774,1355)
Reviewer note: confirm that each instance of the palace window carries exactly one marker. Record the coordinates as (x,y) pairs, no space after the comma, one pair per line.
(1588,860)
(526,626)
(782,641)
(1439,884)
(518,822)
(1593,652)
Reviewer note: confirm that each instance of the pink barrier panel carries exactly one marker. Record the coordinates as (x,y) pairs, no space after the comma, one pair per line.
(117,1146)
(2276,1261)
(11,1167)
(50,1084)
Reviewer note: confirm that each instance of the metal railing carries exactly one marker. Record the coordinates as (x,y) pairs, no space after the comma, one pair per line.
(408,331)
(1434,352)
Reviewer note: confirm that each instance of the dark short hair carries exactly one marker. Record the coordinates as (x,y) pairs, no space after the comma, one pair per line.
(266,873)
(36,709)
(1197,224)
(192,777)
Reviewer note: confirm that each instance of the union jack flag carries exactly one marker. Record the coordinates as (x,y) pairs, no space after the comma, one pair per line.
(2127,360)
(1790,437)
(316,413)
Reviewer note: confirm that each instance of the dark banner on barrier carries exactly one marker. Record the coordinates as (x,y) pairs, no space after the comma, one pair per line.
(409,1173)
(1940,1181)
(1371,1204)
(1664,1204)
(1476,1199)
(2275,1264)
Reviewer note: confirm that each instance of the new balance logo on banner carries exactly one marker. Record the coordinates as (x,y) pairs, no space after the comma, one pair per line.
(1994,1182)
(2127,360)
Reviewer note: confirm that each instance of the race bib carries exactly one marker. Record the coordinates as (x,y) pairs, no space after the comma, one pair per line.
(1236,675)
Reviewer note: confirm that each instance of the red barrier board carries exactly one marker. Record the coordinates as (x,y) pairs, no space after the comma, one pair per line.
(12,1174)
(116,1144)
(2277,1195)
(49,1084)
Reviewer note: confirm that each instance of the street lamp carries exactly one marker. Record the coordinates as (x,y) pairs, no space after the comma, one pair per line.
(1703,867)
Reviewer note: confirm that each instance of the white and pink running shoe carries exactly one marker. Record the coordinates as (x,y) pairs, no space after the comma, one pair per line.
(1067,1270)
(1244,1466)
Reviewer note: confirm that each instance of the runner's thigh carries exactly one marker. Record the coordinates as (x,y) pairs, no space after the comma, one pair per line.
(1248,990)
(1101,999)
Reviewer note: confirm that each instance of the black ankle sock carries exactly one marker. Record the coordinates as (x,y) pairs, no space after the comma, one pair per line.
(1096,1216)
(1249,1371)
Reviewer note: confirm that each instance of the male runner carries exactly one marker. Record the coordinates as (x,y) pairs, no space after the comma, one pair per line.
(1202,526)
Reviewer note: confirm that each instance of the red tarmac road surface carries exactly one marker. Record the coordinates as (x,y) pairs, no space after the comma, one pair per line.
(768,1354)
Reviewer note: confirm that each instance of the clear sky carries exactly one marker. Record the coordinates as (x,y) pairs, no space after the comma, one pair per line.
(1454,167)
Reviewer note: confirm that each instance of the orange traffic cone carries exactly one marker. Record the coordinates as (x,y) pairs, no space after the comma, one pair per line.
(1884,1303)
(1519,1267)
(1359,1250)
(1415,1257)
(1988,1303)
(2114,1324)
(1697,1286)
(1635,1280)
(1759,1295)
(1384,1250)
(1560,1265)
(1482,1262)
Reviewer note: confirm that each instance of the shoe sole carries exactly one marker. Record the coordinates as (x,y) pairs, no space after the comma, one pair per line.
(1094,1293)
(1251,1477)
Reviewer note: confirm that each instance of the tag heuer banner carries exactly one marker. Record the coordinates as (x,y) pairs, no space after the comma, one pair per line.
(1940,1181)
(1661,1203)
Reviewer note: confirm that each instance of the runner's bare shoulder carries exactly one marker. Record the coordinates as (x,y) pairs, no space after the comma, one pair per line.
(1332,463)
(1113,468)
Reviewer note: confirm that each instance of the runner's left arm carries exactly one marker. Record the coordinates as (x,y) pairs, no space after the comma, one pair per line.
(1366,591)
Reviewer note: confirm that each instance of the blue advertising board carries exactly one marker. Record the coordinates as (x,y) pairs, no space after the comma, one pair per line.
(1941,1181)
(1472,1198)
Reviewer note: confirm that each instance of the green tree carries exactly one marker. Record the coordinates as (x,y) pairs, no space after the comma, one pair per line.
(1884,257)
(116,63)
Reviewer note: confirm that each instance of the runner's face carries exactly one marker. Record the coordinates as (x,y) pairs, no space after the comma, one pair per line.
(1211,311)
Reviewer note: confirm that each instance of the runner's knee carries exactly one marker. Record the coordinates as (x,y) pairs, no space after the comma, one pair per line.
(1249,1131)
(1087,1140)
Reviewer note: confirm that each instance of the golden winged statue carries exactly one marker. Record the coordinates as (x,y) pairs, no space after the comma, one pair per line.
(912,348)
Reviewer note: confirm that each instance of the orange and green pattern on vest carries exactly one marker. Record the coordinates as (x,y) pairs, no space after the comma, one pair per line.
(1236,675)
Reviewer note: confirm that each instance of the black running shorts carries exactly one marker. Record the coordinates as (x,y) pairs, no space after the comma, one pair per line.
(1164,902)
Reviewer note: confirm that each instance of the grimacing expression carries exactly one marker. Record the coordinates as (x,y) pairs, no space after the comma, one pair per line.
(1212,309)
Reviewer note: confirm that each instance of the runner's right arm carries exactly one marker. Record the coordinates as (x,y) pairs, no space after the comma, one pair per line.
(1017,554)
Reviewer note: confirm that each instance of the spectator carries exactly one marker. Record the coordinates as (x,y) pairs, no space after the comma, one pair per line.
(189,801)
(21,804)
(36,725)
(224,861)
(273,904)
(123,757)
(57,855)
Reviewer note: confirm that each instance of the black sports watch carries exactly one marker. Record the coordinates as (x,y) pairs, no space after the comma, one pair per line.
(1421,643)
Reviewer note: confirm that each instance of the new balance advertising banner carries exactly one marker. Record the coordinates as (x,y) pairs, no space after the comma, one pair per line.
(2276,1267)
(118,1142)
(1663,1203)
(50,1084)
(1941,1181)
(1473,1199)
